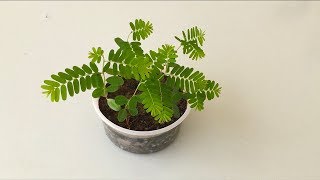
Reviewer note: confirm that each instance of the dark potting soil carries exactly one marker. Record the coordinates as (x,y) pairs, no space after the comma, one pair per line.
(143,121)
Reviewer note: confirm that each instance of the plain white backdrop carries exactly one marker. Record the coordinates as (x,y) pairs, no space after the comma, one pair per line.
(266,56)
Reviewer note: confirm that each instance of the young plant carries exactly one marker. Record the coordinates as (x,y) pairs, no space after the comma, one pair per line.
(162,82)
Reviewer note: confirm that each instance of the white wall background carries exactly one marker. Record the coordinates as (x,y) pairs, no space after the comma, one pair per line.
(266,55)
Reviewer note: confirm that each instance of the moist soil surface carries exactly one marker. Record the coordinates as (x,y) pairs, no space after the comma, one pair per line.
(143,121)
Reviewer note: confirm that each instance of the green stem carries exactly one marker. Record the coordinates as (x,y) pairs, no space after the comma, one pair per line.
(133,94)
(103,76)
(129,36)
(166,68)
(178,47)
(137,89)
(161,76)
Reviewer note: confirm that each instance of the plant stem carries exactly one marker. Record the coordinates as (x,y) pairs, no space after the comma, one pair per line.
(127,122)
(166,68)
(178,48)
(133,94)
(127,119)
(103,76)
(137,88)
(129,36)
(161,76)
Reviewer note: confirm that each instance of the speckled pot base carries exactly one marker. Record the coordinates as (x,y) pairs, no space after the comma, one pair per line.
(141,145)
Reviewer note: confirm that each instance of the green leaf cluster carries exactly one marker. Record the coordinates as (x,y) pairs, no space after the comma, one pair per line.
(159,99)
(115,82)
(96,54)
(211,90)
(71,81)
(124,106)
(192,42)
(194,84)
(187,79)
(166,54)
(141,29)
(162,81)
(128,61)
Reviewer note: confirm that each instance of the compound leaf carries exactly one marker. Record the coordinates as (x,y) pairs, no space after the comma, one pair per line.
(141,29)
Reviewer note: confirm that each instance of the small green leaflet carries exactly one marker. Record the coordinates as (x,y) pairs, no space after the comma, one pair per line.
(121,100)
(113,105)
(96,54)
(115,80)
(132,105)
(122,115)
(98,92)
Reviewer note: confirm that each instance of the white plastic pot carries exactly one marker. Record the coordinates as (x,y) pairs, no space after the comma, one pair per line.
(140,141)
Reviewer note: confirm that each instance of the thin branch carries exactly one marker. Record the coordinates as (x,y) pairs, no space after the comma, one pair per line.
(129,36)
(141,82)
(103,76)
(178,48)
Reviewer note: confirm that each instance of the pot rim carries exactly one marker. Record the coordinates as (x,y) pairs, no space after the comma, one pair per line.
(95,102)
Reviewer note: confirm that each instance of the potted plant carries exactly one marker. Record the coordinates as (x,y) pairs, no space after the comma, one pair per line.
(142,97)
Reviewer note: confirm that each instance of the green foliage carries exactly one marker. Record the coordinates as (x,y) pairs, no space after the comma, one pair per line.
(162,82)
(186,78)
(129,105)
(158,99)
(115,82)
(194,84)
(121,100)
(197,100)
(161,59)
(98,92)
(212,89)
(167,54)
(192,42)
(113,105)
(122,115)
(96,54)
(128,61)
(141,29)
(132,105)
(71,81)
